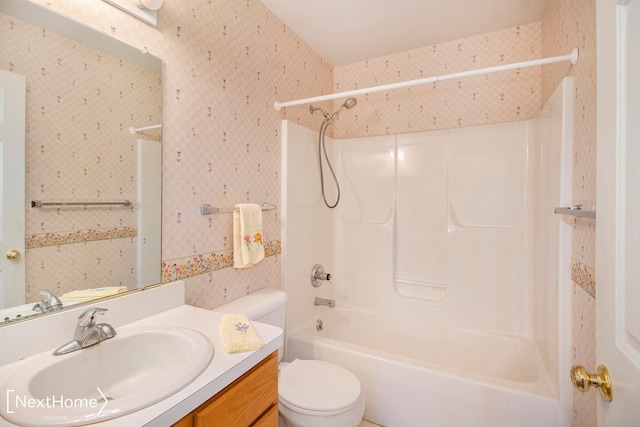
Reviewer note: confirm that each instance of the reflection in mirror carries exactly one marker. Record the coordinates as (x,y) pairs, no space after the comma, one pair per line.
(84,91)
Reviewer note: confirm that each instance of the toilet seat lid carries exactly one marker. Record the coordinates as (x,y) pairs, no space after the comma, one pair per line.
(316,385)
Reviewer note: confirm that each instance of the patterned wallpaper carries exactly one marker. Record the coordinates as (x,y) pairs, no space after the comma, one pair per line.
(567,24)
(483,99)
(80,105)
(230,60)
(226,62)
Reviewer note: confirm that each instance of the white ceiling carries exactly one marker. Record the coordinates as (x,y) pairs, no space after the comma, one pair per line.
(348,31)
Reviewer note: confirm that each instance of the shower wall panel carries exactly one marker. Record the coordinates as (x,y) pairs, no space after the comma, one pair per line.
(307,222)
(432,231)
(362,231)
(439,219)
(368,179)
(421,215)
(487,248)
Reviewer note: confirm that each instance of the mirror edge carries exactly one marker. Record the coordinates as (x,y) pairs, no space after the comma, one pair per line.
(70,27)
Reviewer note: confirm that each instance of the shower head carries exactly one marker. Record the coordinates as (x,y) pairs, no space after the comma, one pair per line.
(348,104)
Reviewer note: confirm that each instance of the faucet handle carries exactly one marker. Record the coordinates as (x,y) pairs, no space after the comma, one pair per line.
(50,299)
(88,317)
(49,302)
(317,273)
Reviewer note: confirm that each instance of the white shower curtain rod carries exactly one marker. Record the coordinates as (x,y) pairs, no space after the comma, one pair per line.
(573,57)
(133,130)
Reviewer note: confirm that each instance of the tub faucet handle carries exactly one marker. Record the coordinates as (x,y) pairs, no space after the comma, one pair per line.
(317,273)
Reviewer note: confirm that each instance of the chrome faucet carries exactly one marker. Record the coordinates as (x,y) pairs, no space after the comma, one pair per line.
(323,301)
(87,332)
(49,303)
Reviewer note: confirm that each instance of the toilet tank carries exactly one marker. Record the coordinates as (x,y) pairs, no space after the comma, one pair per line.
(266,306)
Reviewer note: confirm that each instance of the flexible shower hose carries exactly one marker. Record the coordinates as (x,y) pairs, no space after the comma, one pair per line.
(322,147)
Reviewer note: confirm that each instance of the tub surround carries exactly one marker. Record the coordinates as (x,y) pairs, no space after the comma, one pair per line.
(443,223)
(163,305)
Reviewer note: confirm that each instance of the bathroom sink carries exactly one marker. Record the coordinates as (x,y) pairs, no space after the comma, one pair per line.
(137,368)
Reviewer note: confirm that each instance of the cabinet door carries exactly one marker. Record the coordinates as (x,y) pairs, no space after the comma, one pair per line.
(245,400)
(270,419)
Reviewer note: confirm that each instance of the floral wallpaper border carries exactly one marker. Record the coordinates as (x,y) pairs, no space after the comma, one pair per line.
(183,268)
(584,277)
(43,240)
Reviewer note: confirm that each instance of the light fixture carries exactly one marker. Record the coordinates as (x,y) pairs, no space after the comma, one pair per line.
(145,10)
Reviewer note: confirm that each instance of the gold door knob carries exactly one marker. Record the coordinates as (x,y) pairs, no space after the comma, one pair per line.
(583,380)
(13,255)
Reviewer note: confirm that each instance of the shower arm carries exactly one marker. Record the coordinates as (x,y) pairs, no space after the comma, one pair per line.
(573,57)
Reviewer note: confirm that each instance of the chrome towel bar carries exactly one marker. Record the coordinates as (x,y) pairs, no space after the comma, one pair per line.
(41,204)
(208,209)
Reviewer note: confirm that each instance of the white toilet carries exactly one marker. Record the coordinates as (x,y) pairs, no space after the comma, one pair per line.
(311,393)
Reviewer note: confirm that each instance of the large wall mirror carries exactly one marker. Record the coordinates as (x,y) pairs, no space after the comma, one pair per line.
(93,152)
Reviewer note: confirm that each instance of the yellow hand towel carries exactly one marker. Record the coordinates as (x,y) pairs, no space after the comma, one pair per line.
(94,293)
(248,248)
(238,334)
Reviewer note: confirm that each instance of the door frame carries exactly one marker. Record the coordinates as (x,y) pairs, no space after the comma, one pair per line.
(610,200)
(12,156)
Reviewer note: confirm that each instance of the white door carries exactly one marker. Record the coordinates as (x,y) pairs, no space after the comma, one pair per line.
(618,204)
(12,132)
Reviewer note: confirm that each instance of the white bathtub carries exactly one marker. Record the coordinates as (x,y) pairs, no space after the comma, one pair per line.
(459,379)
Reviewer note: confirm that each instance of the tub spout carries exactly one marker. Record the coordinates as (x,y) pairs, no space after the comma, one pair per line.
(323,301)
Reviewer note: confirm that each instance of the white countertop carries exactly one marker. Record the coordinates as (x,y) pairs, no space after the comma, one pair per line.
(223,369)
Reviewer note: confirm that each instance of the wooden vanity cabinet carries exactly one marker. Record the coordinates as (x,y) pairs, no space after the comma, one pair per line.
(251,400)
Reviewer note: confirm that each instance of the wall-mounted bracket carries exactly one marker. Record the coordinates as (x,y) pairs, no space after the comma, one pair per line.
(577,210)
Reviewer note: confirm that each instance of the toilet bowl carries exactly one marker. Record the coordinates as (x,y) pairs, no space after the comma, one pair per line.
(311,393)
(315,393)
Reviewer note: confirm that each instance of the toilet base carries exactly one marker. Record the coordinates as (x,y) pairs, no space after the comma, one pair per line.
(350,418)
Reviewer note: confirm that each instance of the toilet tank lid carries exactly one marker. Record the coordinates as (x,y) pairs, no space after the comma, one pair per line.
(255,304)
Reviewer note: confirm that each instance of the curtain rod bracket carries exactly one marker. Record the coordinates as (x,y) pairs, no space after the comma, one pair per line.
(575,54)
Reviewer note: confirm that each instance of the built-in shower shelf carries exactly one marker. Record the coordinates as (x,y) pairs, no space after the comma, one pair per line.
(576,210)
